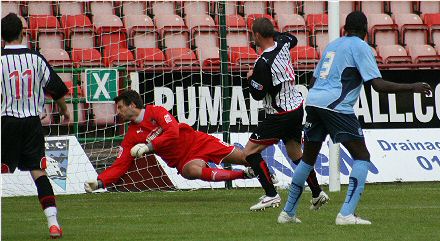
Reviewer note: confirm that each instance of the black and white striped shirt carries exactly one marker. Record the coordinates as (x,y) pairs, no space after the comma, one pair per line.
(273,78)
(26,78)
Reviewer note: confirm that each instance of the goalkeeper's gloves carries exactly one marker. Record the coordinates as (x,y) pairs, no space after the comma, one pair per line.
(141,149)
(93,185)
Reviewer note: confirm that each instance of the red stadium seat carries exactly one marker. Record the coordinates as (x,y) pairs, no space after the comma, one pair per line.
(252,17)
(312,7)
(40,8)
(110,31)
(196,8)
(392,54)
(433,22)
(423,54)
(372,7)
(104,114)
(71,8)
(78,31)
(206,39)
(139,26)
(346,7)
(318,27)
(231,8)
(180,57)
(304,55)
(235,23)
(378,58)
(208,56)
(237,39)
(254,7)
(399,7)
(284,7)
(412,30)
(163,8)
(86,57)
(429,7)
(10,7)
(43,24)
(382,30)
(102,8)
(114,56)
(56,57)
(132,8)
(150,57)
(295,24)
(201,26)
(173,32)
(242,55)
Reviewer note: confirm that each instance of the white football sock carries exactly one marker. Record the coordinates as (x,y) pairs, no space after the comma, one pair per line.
(51,214)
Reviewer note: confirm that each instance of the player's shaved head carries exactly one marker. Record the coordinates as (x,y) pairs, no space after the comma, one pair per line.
(128,97)
(356,24)
(11,27)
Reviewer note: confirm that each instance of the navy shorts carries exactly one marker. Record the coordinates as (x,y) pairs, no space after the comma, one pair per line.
(273,128)
(341,127)
(23,143)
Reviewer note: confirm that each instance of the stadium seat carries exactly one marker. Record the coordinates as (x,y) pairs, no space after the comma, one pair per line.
(412,30)
(46,31)
(242,55)
(400,7)
(173,32)
(428,7)
(346,7)
(254,7)
(295,24)
(392,54)
(10,7)
(237,39)
(372,7)
(284,7)
(206,39)
(318,27)
(234,23)
(40,8)
(231,8)
(423,54)
(114,56)
(102,8)
(252,17)
(201,25)
(208,56)
(71,8)
(312,7)
(382,30)
(378,58)
(150,57)
(86,57)
(104,114)
(78,31)
(138,27)
(180,57)
(56,57)
(304,55)
(132,8)
(433,22)
(110,31)
(195,8)
(163,8)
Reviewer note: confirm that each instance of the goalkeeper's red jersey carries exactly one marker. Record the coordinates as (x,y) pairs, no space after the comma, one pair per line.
(171,140)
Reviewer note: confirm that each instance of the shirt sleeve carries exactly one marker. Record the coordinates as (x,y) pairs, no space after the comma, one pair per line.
(168,140)
(259,83)
(286,38)
(365,62)
(55,87)
(121,165)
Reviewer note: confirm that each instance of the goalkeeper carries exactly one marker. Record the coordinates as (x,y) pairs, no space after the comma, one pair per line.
(154,130)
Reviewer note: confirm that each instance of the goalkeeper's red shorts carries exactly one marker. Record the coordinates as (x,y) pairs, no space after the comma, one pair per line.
(207,148)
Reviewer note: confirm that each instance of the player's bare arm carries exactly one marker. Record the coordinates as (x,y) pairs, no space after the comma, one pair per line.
(381,85)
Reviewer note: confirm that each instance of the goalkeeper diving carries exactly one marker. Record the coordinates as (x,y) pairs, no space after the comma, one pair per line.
(154,130)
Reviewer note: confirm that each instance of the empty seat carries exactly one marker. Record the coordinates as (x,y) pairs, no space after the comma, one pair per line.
(429,7)
(10,7)
(173,32)
(304,55)
(206,39)
(114,56)
(372,7)
(40,8)
(235,22)
(110,31)
(252,17)
(312,7)
(295,24)
(284,7)
(46,30)
(237,39)
(346,7)
(382,30)
(196,8)
(318,27)
(412,30)
(150,57)
(242,55)
(433,22)
(71,8)
(130,8)
(139,26)
(180,57)
(56,57)
(165,22)
(104,114)
(392,54)
(376,56)
(86,57)
(102,8)
(257,7)
(201,27)
(230,8)
(399,7)
(78,31)
(163,8)
(208,56)
(423,54)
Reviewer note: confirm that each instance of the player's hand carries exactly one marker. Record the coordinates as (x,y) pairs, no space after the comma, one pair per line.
(139,150)
(65,113)
(91,186)
(422,87)
(250,73)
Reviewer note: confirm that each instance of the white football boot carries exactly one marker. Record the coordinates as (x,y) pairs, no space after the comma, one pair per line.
(350,220)
(266,202)
(285,218)
(319,201)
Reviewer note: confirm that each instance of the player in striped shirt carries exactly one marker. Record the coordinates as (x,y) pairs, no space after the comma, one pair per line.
(273,81)
(26,78)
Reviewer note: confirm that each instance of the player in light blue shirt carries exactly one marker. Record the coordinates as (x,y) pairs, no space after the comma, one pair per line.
(347,63)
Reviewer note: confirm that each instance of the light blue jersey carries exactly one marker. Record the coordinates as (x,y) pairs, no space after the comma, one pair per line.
(346,63)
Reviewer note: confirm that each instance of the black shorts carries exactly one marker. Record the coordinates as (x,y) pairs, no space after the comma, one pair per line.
(22,143)
(284,127)
(341,127)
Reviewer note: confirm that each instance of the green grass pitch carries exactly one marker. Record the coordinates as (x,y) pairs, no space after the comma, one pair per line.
(398,211)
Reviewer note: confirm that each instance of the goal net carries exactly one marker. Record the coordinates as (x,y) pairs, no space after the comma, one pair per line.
(172,53)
